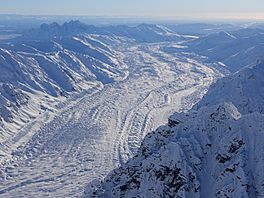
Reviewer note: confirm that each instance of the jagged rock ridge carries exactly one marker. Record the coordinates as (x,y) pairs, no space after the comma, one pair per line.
(214,150)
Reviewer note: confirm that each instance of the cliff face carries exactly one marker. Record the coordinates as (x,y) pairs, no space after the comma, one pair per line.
(214,150)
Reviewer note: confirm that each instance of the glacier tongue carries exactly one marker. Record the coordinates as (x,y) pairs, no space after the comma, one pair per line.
(88,136)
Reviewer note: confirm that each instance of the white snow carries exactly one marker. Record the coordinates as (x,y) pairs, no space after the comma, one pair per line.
(86,139)
(78,101)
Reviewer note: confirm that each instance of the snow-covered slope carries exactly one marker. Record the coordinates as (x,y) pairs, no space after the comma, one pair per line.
(38,74)
(236,49)
(233,49)
(245,89)
(214,150)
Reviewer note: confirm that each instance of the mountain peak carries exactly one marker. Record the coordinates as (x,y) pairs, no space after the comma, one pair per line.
(74,24)
(47,27)
(54,29)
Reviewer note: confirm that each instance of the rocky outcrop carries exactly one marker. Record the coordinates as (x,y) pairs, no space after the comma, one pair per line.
(214,150)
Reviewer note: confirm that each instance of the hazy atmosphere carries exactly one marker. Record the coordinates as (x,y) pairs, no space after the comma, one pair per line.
(169,9)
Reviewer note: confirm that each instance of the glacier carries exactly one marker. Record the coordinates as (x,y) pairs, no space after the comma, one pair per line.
(89,111)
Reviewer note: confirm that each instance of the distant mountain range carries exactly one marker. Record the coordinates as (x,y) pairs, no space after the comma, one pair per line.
(140,33)
(236,49)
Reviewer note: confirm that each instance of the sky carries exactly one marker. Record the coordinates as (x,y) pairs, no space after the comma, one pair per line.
(169,9)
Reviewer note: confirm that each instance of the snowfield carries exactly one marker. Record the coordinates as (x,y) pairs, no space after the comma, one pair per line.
(60,152)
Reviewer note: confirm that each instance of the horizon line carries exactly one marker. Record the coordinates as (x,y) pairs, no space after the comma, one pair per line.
(162,18)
